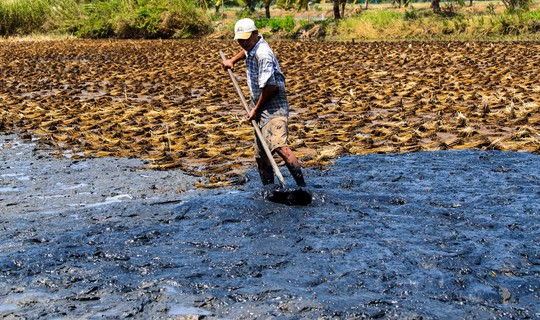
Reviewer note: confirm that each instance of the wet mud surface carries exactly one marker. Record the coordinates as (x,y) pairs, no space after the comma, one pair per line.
(431,235)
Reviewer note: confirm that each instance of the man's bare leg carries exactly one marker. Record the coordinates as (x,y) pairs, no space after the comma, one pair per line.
(292,164)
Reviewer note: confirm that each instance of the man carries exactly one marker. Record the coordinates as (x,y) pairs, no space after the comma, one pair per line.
(267,88)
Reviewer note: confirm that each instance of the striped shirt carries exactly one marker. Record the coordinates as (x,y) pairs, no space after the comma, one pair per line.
(262,70)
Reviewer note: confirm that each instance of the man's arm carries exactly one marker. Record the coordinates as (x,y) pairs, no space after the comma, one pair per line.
(266,94)
(229,63)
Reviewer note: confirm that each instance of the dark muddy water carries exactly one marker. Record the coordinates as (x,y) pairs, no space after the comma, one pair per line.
(440,235)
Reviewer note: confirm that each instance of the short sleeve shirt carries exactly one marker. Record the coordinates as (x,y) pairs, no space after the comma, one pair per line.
(263,69)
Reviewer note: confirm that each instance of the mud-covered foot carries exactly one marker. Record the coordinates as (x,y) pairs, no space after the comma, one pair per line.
(294,197)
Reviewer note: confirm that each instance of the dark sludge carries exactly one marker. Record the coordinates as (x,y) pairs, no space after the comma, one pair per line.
(288,196)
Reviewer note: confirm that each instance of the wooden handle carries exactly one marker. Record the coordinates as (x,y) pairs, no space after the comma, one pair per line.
(254,123)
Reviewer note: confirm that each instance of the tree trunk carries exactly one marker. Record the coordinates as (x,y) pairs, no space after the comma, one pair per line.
(436,5)
(366,2)
(267,9)
(470,4)
(251,5)
(337,15)
(343,3)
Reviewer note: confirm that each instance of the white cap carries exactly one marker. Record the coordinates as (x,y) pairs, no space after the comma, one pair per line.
(243,28)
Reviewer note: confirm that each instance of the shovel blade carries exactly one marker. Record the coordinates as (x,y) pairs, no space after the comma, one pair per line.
(291,197)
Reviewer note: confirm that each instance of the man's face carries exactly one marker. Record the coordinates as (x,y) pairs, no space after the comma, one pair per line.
(249,43)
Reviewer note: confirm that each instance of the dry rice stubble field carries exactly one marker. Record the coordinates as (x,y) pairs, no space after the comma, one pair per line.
(171,103)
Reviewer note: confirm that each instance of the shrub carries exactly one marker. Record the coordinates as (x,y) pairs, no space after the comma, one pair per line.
(97,19)
(513,6)
(306,24)
(449,10)
(130,19)
(508,24)
(286,23)
(22,16)
(185,21)
(410,15)
(491,9)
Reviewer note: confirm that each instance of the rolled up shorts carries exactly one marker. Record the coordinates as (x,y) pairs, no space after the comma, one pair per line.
(275,134)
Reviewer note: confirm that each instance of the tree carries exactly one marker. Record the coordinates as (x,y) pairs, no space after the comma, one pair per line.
(302,5)
(343,3)
(267,4)
(250,4)
(436,5)
(289,4)
(337,15)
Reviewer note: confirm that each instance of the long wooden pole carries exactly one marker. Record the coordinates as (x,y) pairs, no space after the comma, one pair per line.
(256,126)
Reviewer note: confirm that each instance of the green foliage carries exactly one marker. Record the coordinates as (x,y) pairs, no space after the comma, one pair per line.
(22,16)
(449,10)
(294,4)
(216,16)
(507,24)
(380,19)
(244,13)
(306,24)
(491,9)
(97,19)
(410,15)
(460,24)
(286,23)
(533,15)
(516,23)
(187,18)
(148,17)
(517,6)
(101,18)
(285,4)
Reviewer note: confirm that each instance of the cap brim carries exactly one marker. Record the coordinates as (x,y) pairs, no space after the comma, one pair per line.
(243,35)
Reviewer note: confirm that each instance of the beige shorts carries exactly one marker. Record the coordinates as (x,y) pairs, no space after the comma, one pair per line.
(275,134)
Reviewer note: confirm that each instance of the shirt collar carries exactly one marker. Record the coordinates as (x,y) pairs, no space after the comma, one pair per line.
(254,49)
